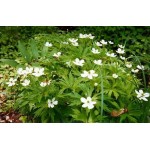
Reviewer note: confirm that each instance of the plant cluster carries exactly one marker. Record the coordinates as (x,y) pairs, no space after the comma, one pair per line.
(77,78)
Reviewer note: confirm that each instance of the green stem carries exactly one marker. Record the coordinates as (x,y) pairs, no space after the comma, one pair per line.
(87,115)
(102,96)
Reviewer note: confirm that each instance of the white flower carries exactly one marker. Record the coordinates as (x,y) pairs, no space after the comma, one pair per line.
(48,44)
(20,71)
(135,70)
(11,82)
(120,51)
(92,74)
(52,103)
(123,58)
(95,84)
(25,72)
(141,95)
(115,76)
(26,82)
(43,84)
(110,42)
(65,43)
(95,51)
(98,62)
(103,42)
(110,54)
(72,40)
(86,36)
(140,67)
(75,44)
(90,36)
(128,65)
(79,62)
(84,74)
(98,44)
(87,102)
(29,70)
(38,72)
(89,74)
(82,36)
(120,46)
(57,55)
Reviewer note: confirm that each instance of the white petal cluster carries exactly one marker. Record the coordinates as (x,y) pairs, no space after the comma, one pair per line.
(38,72)
(73,41)
(45,83)
(47,44)
(82,36)
(140,67)
(26,82)
(121,46)
(98,62)
(57,55)
(123,58)
(98,44)
(25,72)
(103,42)
(89,74)
(11,82)
(79,62)
(75,44)
(52,103)
(141,95)
(115,76)
(128,65)
(120,51)
(110,54)
(95,51)
(87,102)
(135,70)
(29,70)
(110,42)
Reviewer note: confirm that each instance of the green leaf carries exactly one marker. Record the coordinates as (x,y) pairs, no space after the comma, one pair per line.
(132,119)
(34,49)
(115,104)
(44,51)
(96,112)
(115,94)
(24,52)
(123,117)
(136,113)
(79,116)
(12,63)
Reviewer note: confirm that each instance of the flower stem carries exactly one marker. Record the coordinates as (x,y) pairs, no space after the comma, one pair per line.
(102,96)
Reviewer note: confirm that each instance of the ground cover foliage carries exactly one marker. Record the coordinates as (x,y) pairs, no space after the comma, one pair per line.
(75,74)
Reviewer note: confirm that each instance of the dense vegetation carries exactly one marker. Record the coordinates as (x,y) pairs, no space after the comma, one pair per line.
(75,74)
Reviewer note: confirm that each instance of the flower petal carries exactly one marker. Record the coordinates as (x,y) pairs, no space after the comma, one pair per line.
(83,100)
(85,105)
